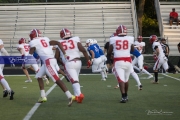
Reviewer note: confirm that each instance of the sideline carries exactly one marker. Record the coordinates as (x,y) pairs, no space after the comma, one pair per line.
(171,77)
(35,107)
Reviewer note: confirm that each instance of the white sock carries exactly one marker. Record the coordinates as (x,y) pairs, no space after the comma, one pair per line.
(43,94)
(68,94)
(77,89)
(5,84)
(95,71)
(103,75)
(106,67)
(135,76)
(146,72)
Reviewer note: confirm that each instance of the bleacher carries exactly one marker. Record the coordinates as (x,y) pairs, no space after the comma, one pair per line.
(86,20)
(173,34)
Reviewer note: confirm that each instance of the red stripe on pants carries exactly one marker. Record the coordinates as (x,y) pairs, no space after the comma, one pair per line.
(118,78)
(50,69)
(1,77)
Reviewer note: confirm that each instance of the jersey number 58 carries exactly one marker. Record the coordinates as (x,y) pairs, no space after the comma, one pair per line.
(122,44)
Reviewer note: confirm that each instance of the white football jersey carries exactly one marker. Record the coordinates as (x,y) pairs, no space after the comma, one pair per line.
(1,43)
(121,45)
(25,48)
(161,53)
(71,47)
(43,48)
(139,45)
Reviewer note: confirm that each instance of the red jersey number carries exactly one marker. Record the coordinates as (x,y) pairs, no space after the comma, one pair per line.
(44,44)
(122,44)
(26,48)
(65,46)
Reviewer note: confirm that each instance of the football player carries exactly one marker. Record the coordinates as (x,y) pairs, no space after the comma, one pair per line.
(72,64)
(121,45)
(133,73)
(23,49)
(97,61)
(139,44)
(4,83)
(50,67)
(106,47)
(138,59)
(161,58)
(103,57)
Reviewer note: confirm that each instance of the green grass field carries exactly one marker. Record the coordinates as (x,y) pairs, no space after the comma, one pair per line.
(155,102)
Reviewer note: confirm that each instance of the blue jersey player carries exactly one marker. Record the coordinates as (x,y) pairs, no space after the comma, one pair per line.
(139,59)
(97,61)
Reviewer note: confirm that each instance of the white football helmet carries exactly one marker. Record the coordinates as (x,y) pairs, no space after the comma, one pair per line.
(89,42)
(95,41)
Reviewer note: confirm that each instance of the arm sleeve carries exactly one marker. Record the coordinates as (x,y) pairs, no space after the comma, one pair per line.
(4,52)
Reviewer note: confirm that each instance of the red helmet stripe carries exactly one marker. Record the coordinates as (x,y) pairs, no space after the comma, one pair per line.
(64,32)
(122,29)
(36,32)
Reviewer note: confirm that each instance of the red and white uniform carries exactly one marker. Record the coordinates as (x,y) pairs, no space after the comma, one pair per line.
(122,57)
(139,45)
(24,47)
(45,52)
(72,64)
(162,60)
(2,61)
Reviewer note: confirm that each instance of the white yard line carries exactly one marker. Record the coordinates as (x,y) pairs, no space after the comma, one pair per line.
(171,77)
(35,107)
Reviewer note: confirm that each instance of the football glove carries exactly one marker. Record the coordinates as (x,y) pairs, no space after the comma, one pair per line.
(88,64)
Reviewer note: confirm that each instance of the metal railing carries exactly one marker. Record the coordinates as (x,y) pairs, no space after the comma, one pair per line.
(135,23)
(170,0)
(160,20)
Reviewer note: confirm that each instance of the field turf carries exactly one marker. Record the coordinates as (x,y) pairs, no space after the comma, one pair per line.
(155,102)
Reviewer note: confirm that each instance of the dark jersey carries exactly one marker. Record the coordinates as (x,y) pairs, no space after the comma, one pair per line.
(106,46)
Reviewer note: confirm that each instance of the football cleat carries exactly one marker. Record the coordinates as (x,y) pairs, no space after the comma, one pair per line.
(104,70)
(116,87)
(75,98)
(151,76)
(103,79)
(154,82)
(123,100)
(140,87)
(47,81)
(5,93)
(11,94)
(28,81)
(177,68)
(42,99)
(80,98)
(126,98)
(71,100)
